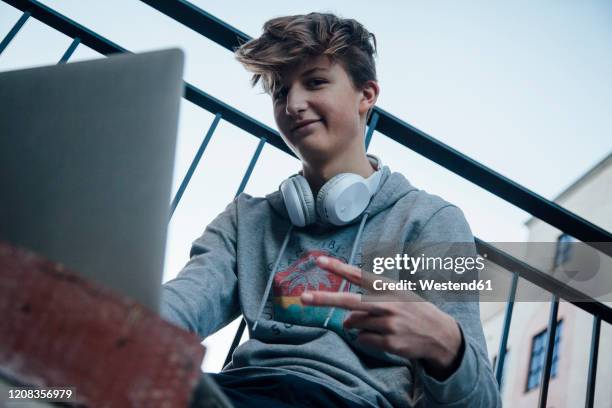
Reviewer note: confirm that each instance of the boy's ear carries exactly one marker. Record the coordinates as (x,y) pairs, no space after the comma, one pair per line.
(369,95)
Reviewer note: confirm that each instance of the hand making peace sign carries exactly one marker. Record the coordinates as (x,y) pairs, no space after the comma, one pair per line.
(409,326)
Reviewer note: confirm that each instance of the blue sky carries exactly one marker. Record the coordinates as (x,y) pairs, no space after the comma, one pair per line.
(523,87)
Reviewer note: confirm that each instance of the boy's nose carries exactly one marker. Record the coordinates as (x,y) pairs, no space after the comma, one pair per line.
(296,103)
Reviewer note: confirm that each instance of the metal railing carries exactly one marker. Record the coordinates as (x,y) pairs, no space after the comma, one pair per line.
(390,126)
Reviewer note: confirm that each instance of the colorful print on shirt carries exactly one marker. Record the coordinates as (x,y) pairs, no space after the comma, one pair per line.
(302,275)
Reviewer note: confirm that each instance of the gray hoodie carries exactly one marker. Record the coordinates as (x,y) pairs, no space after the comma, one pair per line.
(252,245)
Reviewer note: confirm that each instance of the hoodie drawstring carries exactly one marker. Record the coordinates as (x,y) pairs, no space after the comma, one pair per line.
(271,278)
(351,260)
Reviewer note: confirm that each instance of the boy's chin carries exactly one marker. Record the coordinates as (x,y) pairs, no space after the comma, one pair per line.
(313,152)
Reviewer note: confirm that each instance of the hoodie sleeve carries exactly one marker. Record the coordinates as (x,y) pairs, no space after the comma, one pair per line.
(203,297)
(473,383)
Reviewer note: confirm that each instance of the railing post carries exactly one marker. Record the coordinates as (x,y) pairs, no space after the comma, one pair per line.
(550,344)
(247,175)
(194,164)
(245,179)
(501,355)
(9,37)
(75,43)
(590,397)
(371,129)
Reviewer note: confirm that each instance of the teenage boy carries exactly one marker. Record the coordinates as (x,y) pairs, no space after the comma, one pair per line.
(286,261)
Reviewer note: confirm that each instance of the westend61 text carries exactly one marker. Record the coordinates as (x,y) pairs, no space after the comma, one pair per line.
(428,284)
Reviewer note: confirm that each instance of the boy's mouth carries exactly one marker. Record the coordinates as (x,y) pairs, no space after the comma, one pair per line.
(304,124)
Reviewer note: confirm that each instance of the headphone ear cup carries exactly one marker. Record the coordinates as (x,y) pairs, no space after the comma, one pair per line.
(306,199)
(298,200)
(324,192)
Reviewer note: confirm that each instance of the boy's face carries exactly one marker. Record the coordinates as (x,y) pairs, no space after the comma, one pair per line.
(320,95)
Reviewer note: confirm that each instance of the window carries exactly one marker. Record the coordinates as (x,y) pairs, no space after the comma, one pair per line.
(538,353)
(563,250)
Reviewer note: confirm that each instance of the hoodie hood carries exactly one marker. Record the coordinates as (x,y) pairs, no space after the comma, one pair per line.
(393,186)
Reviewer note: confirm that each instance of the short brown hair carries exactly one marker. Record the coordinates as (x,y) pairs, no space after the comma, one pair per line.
(288,41)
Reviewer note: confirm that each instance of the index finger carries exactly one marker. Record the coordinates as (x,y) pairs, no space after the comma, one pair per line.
(352,273)
(343,300)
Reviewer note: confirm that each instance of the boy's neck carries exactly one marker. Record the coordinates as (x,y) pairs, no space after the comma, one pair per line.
(319,173)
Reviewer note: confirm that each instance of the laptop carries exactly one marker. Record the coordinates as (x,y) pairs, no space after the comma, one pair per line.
(86,161)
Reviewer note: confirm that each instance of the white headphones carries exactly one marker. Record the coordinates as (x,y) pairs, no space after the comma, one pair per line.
(341,199)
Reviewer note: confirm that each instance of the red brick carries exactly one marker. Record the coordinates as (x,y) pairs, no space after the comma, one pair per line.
(58,329)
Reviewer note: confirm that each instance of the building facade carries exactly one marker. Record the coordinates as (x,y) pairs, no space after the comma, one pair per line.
(591,198)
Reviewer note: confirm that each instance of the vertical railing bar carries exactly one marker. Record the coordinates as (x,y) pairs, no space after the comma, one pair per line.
(590,397)
(245,179)
(73,46)
(247,175)
(501,355)
(194,164)
(550,344)
(11,34)
(235,342)
(371,129)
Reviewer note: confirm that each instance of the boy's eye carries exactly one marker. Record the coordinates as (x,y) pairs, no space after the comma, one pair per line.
(282,92)
(316,81)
